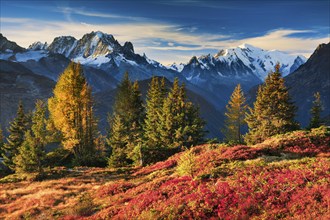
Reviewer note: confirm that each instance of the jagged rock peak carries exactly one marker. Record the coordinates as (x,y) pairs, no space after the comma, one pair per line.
(128,46)
(63,45)
(322,46)
(9,46)
(38,46)
(193,60)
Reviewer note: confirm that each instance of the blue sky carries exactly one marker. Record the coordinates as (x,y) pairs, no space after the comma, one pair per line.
(173,31)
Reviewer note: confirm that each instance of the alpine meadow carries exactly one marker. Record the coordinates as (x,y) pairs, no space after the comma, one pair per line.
(164,109)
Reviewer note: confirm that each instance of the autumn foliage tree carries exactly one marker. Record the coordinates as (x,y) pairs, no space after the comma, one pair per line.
(273,112)
(71,110)
(235,115)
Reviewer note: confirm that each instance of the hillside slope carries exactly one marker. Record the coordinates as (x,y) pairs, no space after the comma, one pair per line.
(287,176)
(309,78)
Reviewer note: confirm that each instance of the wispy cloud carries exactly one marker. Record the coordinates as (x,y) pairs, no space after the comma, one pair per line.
(81,11)
(166,43)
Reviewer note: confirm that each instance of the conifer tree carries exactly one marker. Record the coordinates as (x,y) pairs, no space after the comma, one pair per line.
(235,115)
(16,137)
(154,104)
(273,111)
(32,151)
(316,109)
(71,111)
(126,124)
(136,130)
(180,123)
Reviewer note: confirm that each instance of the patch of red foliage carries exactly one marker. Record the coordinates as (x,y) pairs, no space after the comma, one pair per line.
(306,146)
(157,166)
(114,188)
(274,192)
(241,152)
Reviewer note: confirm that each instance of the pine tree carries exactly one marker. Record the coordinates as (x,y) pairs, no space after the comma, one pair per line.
(136,129)
(194,128)
(273,111)
(126,124)
(180,123)
(32,151)
(235,115)
(171,117)
(17,129)
(71,111)
(154,104)
(316,109)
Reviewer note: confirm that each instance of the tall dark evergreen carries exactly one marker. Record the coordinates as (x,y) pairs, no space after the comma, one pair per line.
(316,110)
(180,123)
(154,104)
(235,115)
(136,130)
(273,112)
(126,124)
(17,129)
(32,151)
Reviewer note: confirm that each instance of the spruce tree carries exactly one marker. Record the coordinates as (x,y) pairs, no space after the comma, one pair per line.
(71,111)
(273,111)
(126,124)
(32,152)
(154,104)
(180,123)
(316,110)
(17,129)
(235,115)
(136,130)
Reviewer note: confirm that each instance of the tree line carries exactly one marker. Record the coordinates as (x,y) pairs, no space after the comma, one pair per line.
(272,113)
(139,133)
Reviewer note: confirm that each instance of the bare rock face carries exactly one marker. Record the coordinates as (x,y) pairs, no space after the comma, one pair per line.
(9,46)
(309,78)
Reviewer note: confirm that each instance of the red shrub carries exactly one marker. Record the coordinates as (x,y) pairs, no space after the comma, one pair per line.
(157,166)
(114,188)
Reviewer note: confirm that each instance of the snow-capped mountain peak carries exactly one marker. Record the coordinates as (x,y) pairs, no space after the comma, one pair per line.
(242,60)
(38,46)
(176,67)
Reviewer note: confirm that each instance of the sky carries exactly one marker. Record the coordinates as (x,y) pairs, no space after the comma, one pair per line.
(173,31)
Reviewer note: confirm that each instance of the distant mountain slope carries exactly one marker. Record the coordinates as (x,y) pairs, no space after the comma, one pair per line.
(311,77)
(246,64)
(19,83)
(241,62)
(7,46)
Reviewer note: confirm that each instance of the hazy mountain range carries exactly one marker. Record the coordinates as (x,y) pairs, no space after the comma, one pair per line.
(31,73)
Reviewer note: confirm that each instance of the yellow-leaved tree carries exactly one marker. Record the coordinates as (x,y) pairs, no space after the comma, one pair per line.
(71,110)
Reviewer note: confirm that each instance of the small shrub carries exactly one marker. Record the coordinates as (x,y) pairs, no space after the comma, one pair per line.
(187,164)
(85,206)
